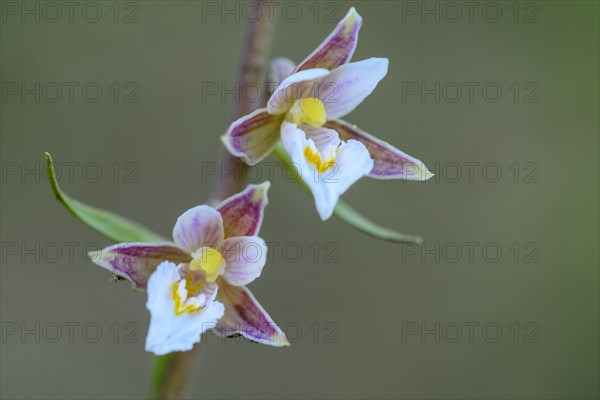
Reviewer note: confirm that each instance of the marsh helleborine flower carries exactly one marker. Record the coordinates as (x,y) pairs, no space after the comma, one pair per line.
(200,279)
(304,112)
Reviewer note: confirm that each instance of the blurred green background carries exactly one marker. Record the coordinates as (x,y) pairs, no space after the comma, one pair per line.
(359,325)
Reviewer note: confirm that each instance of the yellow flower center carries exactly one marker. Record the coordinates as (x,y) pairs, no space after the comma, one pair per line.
(314,158)
(181,306)
(310,111)
(208,260)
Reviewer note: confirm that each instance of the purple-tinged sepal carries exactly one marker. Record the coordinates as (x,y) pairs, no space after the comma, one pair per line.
(245,316)
(337,49)
(253,137)
(389,162)
(137,261)
(243,213)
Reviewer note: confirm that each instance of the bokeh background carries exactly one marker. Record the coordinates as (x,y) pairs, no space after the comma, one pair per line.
(356,309)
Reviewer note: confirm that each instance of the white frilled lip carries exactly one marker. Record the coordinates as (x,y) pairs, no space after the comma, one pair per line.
(171,331)
(352,161)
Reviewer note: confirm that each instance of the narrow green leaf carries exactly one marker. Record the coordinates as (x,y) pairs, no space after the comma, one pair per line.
(116,228)
(348,214)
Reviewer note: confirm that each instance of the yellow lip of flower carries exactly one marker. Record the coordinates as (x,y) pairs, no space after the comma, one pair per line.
(310,111)
(181,305)
(208,260)
(314,158)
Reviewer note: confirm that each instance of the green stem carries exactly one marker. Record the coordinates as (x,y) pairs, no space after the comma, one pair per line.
(254,60)
(161,364)
(172,373)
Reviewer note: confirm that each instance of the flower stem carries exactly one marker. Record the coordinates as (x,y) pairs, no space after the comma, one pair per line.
(254,60)
(158,375)
(170,377)
(172,373)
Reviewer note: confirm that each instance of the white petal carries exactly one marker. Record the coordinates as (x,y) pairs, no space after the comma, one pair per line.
(348,85)
(354,162)
(294,87)
(325,139)
(197,227)
(168,331)
(351,163)
(245,257)
(280,69)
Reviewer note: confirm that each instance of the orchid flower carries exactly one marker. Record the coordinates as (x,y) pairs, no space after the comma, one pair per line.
(304,111)
(199,279)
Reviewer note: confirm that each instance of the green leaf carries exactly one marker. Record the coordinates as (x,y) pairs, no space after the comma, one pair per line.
(346,213)
(349,215)
(116,228)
